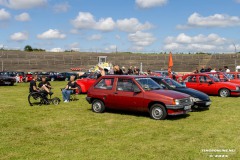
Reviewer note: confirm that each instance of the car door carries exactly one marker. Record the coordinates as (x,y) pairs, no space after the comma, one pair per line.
(124,97)
(191,82)
(206,85)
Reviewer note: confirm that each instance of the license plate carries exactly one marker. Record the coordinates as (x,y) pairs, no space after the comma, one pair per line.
(187,107)
(7,82)
(208,103)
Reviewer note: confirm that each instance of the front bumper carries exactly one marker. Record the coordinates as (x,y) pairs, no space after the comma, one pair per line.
(89,100)
(203,104)
(235,92)
(178,109)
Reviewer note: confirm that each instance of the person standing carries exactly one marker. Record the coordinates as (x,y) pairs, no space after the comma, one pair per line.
(33,84)
(130,71)
(69,89)
(213,70)
(203,70)
(118,70)
(226,69)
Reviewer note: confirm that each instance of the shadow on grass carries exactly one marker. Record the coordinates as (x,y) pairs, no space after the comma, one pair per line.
(142,114)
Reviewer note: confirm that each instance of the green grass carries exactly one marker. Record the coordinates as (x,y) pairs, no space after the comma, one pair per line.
(73,131)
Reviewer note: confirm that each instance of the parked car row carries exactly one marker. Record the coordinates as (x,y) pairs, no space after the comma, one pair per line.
(50,76)
(160,96)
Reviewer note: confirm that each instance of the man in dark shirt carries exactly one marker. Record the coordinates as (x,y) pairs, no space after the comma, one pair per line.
(33,85)
(69,89)
(203,70)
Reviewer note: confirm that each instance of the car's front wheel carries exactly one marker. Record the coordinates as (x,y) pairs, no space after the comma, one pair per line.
(224,93)
(98,106)
(158,112)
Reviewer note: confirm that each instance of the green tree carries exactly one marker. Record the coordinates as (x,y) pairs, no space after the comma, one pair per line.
(28,48)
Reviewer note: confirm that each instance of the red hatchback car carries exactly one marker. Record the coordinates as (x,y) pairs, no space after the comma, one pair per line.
(137,93)
(211,85)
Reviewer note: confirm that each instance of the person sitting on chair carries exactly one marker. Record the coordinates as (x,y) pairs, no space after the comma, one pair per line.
(45,86)
(69,89)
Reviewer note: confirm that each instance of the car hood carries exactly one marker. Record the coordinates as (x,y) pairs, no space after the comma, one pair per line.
(169,93)
(194,93)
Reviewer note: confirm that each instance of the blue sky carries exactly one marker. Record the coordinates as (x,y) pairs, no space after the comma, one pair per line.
(129,25)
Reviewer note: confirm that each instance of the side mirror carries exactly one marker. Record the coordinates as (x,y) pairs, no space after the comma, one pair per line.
(136,90)
(172,86)
(210,82)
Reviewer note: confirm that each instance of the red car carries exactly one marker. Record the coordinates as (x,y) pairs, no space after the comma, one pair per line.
(233,75)
(224,77)
(137,93)
(86,83)
(211,85)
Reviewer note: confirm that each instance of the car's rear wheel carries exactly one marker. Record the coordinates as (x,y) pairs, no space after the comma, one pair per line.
(158,112)
(224,92)
(98,106)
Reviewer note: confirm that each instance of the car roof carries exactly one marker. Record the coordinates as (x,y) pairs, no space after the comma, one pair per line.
(124,76)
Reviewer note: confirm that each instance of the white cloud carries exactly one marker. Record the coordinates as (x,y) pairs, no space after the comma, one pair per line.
(150,3)
(4,15)
(62,7)
(105,24)
(111,48)
(95,37)
(216,20)
(23,17)
(132,25)
(198,43)
(23,4)
(117,37)
(51,34)
(141,39)
(86,20)
(19,36)
(56,50)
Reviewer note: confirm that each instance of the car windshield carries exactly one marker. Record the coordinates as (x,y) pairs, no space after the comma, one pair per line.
(229,76)
(173,83)
(148,84)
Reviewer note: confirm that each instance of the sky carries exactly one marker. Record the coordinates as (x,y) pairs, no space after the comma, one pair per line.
(123,25)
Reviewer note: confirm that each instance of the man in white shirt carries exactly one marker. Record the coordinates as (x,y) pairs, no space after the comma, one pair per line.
(226,69)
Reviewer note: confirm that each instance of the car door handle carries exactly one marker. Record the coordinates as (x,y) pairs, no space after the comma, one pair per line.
(115,93)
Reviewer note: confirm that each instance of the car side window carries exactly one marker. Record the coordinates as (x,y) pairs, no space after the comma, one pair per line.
(126,85)
(105,83)
(192,79)
(204,79)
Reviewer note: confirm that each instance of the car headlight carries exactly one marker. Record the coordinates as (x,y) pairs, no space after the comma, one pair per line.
(193,99)
(237,88)
(177,102)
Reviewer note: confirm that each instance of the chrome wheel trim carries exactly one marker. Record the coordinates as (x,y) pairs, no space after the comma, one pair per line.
(224,93)
(97,106)
(157,113)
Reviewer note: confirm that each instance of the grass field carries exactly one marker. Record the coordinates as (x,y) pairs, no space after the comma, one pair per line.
(73,131)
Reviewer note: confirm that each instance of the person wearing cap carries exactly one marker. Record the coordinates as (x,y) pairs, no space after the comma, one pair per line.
(69,89)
